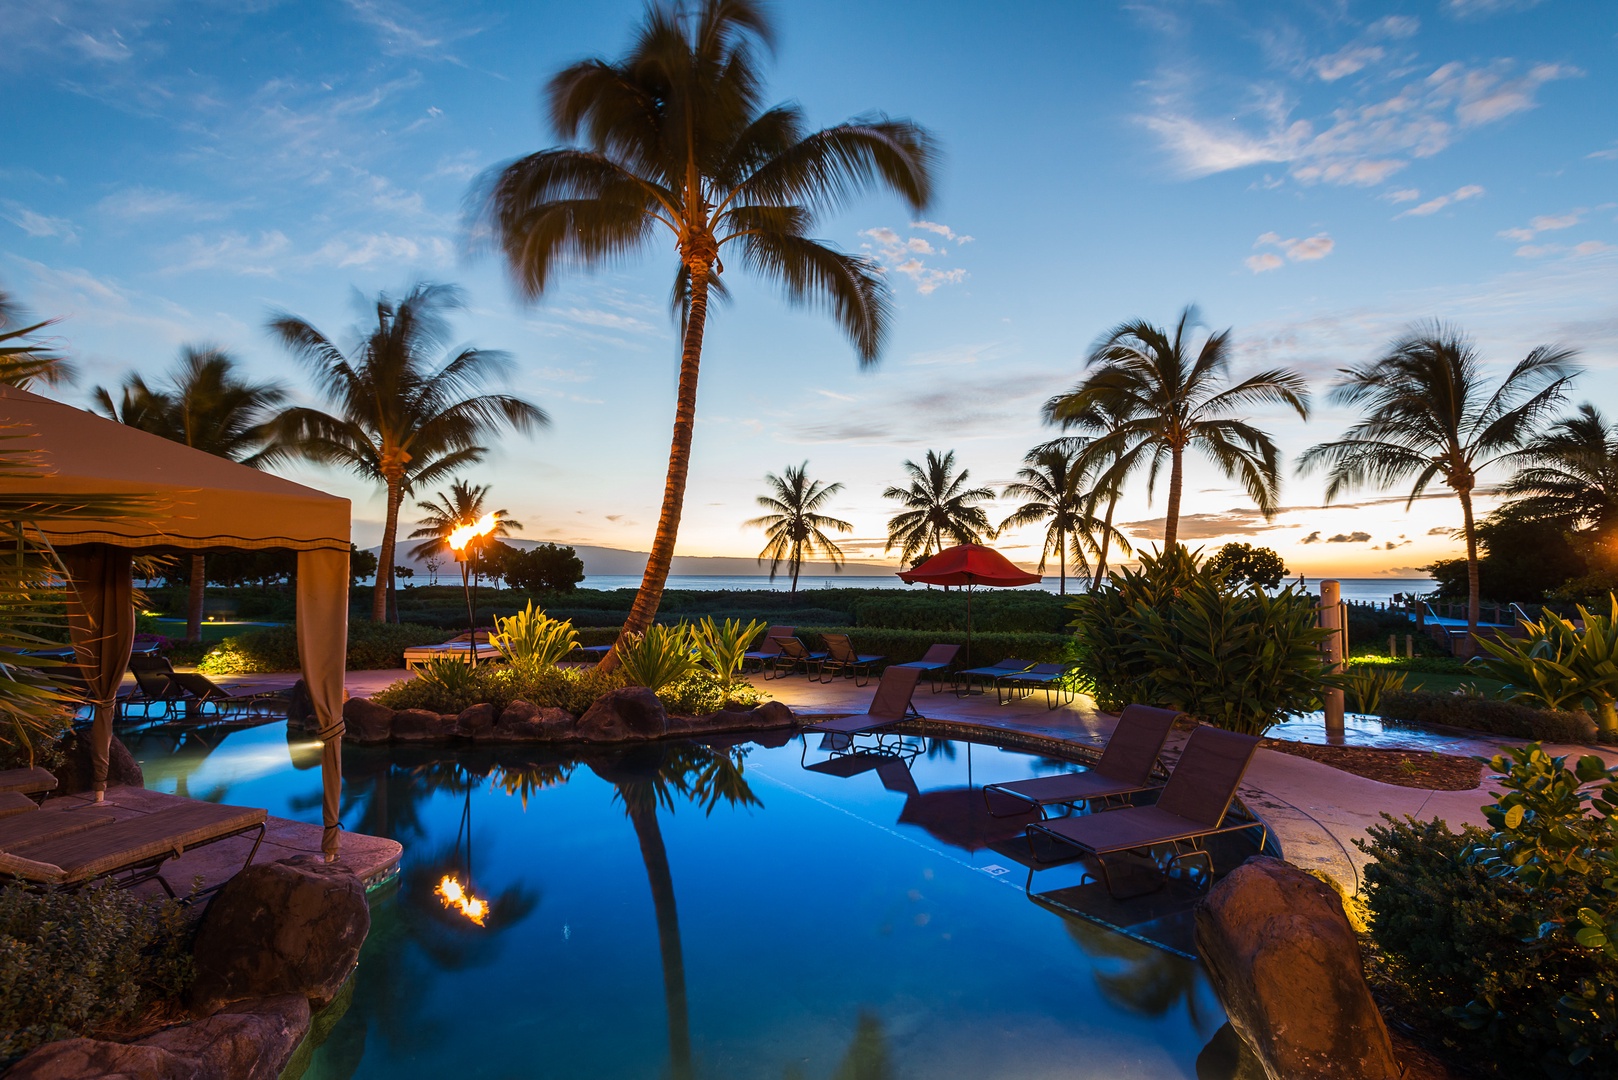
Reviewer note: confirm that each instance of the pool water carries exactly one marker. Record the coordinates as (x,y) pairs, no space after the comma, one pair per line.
(710,912)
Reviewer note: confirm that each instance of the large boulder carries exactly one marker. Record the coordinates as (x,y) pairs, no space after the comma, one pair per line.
(1286,964)
(475,721)
(422,725)
(288,927)
(523,721)
(251,1042)
(364,721)
(625,714)
(76,774)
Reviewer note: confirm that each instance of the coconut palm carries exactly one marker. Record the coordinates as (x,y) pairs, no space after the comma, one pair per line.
(676,137)
(208,406)
(24,360)
(1429,412)
(461,505)
(1053,487)
(1569,474)
(1165,400)
(794,529)
(408,411)
(938,506)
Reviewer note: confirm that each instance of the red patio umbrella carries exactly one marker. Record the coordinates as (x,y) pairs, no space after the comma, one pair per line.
(969,565)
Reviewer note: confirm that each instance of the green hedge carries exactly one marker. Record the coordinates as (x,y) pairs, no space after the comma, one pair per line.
(903,646)
(1486,714)
(371,647)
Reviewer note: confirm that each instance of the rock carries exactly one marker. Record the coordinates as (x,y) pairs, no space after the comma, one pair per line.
(518,712)
(1286,965)
(288,927)
(421,725)
(76,774)
(630,712)
(775,714)
(1226,1057)
(523,721)
(251,1042)
(475,721)
(364,721)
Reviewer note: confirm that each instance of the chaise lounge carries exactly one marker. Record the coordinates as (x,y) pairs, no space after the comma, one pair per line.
(935,664)
(1125,768)
(889,705)
(842,659)
(1054,679)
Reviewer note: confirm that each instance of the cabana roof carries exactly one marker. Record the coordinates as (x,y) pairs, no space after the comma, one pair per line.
(205,501)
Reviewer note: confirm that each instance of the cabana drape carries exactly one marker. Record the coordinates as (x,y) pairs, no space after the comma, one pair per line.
(101,622)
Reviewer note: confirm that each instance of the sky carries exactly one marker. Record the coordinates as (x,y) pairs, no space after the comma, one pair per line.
(1315,176)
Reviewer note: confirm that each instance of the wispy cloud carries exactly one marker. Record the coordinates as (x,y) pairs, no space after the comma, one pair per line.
(1307,250)
(143,203)
(909,255)
(37,225)
(1476,9)
(1236,522)
(233,252)
(1433,206)
(1349,538)
(404,31)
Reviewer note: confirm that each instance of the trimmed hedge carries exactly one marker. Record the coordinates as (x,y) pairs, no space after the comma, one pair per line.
(371,647)
(1486,714)
(903,646)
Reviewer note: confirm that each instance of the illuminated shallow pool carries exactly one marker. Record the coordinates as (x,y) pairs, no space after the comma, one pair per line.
(717,912)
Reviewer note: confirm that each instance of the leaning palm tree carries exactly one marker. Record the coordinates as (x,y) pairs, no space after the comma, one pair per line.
(1053,487)
(677,141)
(408,413)
(1166,401)
(448,511)
(25,360)
(794,528)
(208,406)
(937,506)
(1429,412)
(1569,474)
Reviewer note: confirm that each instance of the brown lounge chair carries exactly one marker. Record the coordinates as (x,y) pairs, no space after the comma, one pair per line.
(768,648)
(22,789)
(1191,808)
(990,675)
(889,705)
(842,659)
(153,686)
(1054,678)
(69,848)
(935,663)
(204,691)
(1125,767)
(791,654)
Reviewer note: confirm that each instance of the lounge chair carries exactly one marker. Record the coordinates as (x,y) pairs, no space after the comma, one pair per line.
(36,825)
(204,691)
(889,705)
(1125,767)
(1054,679)
(989,675)
(842,659)
(21,790)
(153,686)
(131,851)
(935,663)
(456,648)
(1191,808)
(791,656)
(768,647)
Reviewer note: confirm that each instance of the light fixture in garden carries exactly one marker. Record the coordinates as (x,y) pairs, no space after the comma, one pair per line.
(463,541)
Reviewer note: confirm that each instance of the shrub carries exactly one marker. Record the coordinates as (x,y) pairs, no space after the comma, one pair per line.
(570,688)
(78,963)
(1007,611)
(1507,718)
(1363,688)
(660,657)
(903,646)
(371,647)
(701,693)
(531,639)
(722,646)
(1560,665)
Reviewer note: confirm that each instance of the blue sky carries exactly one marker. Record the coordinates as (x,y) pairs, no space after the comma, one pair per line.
(1313,175)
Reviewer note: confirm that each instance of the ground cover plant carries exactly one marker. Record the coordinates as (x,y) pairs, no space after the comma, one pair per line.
(1480,713)
(1563,665)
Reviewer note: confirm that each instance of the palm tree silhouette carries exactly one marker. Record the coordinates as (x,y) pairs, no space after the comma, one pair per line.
(24,360)
(1430,413)
(676,137)
(1569,474)
(208,407)
(462,504)
(795,529)
(402,417)
(1166,401)
(1052,483)
(938,505)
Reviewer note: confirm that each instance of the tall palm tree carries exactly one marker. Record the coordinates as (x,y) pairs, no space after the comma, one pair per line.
(207,406)
(447,511)
(24,360)
(1053,485)
(677,141)
(1570,474)
(938,506)
(407,410)
(794,528)
(1428,411)
(1167,400)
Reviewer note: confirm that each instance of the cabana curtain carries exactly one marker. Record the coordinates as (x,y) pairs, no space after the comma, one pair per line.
(101,621)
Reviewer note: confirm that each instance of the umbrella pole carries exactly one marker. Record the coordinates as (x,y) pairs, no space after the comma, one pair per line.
(968,624)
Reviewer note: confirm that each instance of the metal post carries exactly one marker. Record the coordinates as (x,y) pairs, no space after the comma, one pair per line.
(1331,617)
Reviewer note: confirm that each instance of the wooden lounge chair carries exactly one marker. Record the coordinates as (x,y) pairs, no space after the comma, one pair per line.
(842,659)
(889,705)
(1191,808)
(456,648)
(130,851)
(1125,767)
(204,691)
(935,663)
(1054,679)
(768,647)
(989,675)
(22,790)
(153,686)
(791,656)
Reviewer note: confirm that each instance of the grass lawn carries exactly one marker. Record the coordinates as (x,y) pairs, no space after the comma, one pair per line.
(212,632)
(1447,683)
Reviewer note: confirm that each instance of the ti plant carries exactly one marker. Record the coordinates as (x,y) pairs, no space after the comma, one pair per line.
(1558,665)
(723,646)
(658,658)
(532,640)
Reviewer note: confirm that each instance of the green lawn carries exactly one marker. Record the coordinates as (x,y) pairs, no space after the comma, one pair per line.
(1446,683)
(212,632)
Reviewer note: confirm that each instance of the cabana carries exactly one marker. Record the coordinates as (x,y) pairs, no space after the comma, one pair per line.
(201,503)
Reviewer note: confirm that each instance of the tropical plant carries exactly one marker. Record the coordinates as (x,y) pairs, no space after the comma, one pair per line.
(447,511)
(1052,487)
(24,360)
(1364,687)
(1560,664)
(532,639)
(677,137)
(795,528)
(1163,401)
(1429,413)
(938,505)
(723,646)
(403,417)
(208,406)
(657,657)
(448,676)
(1244,564)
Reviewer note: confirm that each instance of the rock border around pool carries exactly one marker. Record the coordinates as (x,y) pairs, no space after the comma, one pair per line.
(628,714)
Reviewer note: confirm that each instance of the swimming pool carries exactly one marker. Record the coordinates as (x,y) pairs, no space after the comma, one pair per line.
(712,912)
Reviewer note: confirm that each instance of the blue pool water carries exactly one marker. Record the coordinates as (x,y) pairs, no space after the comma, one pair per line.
(693,912)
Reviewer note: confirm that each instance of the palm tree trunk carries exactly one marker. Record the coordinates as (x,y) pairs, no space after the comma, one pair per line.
(384,557)
(643,815)
(1472,587)
(1106,538)
(650,594)
(193,607)
(1171,527)
(1061,550)
(797,565)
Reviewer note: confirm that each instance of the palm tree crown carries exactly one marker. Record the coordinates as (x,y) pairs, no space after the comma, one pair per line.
(448,511)
(1053,487)
(1570,473)
(24,360)
(938,505)
(676,140)
(794,528)
(408,412)
(1162,400)
(1428,412)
